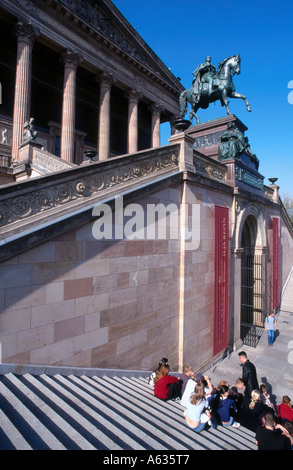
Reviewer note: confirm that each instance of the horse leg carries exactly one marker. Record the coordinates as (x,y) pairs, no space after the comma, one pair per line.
(193,114)
(183,103)
(242,97)
(225,101)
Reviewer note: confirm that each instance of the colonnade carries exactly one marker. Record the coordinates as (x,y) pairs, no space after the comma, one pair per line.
(26,35)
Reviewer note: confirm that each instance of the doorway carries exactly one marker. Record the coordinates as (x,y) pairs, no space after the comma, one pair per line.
(252,286)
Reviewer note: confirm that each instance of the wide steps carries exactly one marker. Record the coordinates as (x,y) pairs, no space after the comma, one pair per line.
(287,296)
(42,412)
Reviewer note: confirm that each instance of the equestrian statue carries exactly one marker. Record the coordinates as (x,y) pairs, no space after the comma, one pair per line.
(209,85)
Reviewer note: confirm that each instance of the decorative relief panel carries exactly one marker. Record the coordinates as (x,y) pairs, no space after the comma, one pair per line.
(210,168)
(208,140)
(249,178)
(91,182)
(5,135)
(91,13)
(50,163)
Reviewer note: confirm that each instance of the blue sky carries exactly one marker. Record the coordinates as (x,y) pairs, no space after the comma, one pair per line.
(183,33)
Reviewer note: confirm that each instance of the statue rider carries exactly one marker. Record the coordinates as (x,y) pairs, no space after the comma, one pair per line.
(204,73)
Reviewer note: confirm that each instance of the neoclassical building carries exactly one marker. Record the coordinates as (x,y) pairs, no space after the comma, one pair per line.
(116,251)
(86,77)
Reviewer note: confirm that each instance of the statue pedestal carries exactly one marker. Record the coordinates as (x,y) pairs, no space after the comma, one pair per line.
(25,150)
(223,140)
(208,134)
(241,175)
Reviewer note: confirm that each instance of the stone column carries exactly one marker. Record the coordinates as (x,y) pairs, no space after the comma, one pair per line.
(133,99)
(22,94)
(106,80)
(276,188)
(156,110)
(71,62)
(172,126)
(236,257)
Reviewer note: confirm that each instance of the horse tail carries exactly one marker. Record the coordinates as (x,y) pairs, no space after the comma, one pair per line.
(183,103)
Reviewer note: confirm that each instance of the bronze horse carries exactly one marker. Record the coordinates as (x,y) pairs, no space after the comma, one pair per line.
(222,89)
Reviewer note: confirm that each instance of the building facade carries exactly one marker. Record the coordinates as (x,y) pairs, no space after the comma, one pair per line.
(163,251)
(86,77)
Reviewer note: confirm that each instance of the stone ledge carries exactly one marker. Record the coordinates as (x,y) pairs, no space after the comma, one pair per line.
(35,369)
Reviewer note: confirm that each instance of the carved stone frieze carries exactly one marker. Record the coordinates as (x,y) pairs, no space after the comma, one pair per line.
(247,177)
(28,6)
(92,14)
(210,168)
(207,140)
(70,188)
(49,162)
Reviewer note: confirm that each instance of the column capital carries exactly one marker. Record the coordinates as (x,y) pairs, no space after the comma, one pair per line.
(172,124)
(106,79)
(173,119)
(26,32)
(156,108)
(133,96)
(71,58)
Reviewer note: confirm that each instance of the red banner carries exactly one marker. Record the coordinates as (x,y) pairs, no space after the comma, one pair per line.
(276,296)
(221,320)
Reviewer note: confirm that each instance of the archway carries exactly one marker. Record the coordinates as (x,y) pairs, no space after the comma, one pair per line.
(252,280)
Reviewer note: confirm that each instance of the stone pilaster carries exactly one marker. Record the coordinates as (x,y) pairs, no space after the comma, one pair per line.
(26,34)
(173,130)
(276,197)
(71,62)
(156,110)
(235,303)
(133,99)
(106,80)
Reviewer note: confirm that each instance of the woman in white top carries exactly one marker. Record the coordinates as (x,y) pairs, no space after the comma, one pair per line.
(189,389)
(194,415)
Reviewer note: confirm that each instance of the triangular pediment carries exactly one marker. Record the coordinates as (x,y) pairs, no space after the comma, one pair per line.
(106,20)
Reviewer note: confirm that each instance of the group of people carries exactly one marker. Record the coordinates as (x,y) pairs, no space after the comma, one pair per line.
(245,404)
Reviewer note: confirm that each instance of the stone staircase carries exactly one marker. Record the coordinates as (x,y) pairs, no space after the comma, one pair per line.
(287,295)
(82,412)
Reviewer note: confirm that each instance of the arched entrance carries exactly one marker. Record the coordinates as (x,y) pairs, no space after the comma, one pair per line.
(252,285)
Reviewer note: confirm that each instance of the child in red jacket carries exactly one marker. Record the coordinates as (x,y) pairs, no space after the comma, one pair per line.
(285,409)
(164,388)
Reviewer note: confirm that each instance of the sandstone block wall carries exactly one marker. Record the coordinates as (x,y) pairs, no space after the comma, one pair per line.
(79,301)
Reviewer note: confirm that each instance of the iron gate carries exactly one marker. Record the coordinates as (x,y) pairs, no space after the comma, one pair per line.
(252,314)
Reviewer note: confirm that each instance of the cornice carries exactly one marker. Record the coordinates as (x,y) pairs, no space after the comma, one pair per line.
(113,32)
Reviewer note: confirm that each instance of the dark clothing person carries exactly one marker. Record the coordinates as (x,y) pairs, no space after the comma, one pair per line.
(250,378)
(251,418)
(268,439)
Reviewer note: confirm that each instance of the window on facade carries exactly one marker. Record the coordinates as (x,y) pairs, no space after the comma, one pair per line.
(57,145)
